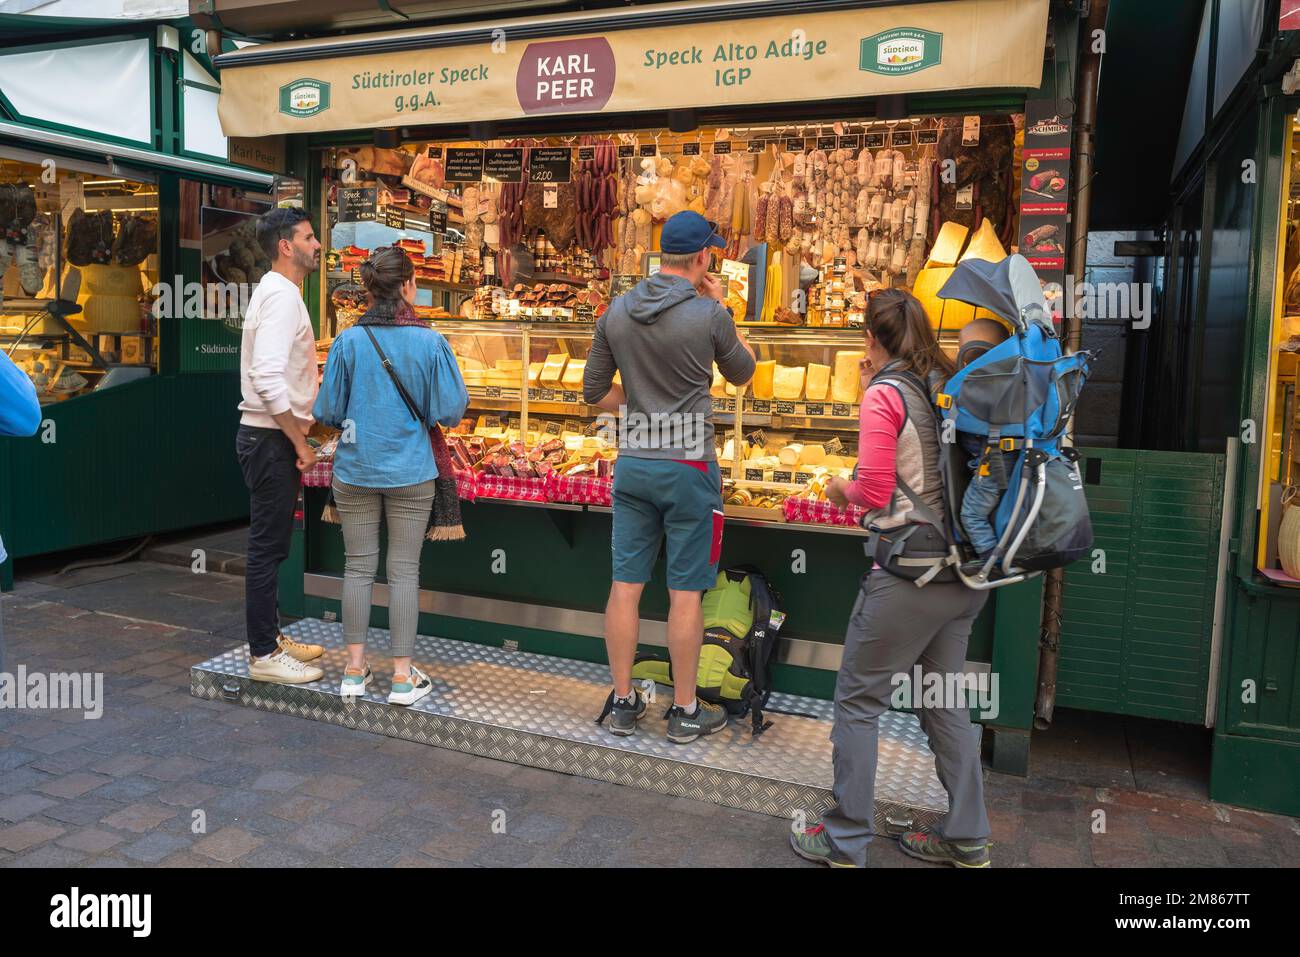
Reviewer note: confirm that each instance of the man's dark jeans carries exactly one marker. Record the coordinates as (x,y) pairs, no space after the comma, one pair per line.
(270,468)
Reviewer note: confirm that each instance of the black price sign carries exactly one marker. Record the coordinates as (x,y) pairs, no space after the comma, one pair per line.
(553,428)
(572,397)
(434,152)
(358,203)
(464,166)
(803,478)
(841,409)
(721,146)
(757,146)
(626,152)
(649,149)
(753,475)
(394,218)
(794,146)
(785,408)
(762,406)
(814,408)
(927,137)
(550,164)
(534,395)
(850,142)
(620,284)
(504,165)
(586,154)
(546,395)
(873,141)
(513,423)
(572,425)
(757,437)
(834,446)
(591,428)
(690,149)
(491,422)
(783,475)
(492,391)
(827,142)
(438,217)
(901,138)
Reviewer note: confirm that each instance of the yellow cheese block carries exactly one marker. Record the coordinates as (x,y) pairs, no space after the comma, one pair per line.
(535,373)
(719,387)
(812,455)
(474,376)
(833,462)
(819,379)
(469,363)
(787,382)
(947,247)
(846,383)
(762,384)
(730,389)
(572,378)
(984,245)
(553,368)
(498,378)
(510,365)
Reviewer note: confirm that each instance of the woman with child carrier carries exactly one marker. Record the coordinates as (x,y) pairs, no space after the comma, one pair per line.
(895,624)
(389,380)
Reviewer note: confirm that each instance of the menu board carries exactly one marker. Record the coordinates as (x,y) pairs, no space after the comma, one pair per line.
(504,165)
(463,165)
(1044,195)
(358,204)
(550,164)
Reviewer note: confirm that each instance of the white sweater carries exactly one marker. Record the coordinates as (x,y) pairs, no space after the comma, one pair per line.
(277,357)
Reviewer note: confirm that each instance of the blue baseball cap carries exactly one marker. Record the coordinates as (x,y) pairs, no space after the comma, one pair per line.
(688,232)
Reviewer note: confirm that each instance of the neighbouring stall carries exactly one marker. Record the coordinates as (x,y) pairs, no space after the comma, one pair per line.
(528,174)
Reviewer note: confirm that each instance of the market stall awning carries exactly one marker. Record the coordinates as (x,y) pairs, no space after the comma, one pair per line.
(676,56)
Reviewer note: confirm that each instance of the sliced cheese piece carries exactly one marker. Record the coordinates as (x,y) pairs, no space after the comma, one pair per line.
(572,378)
(729,450)
(846,383)
(819,379)
(812,454)
(790,454)
(947,247)
(984,245)
(787,382)
(535,373)
(762,384)
(766,463)
(553,368)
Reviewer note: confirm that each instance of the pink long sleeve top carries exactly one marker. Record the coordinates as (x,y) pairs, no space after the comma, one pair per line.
(881,419)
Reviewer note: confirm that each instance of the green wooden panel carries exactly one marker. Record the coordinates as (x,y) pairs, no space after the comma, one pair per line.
(1136,639)
(1266,653)
(142,458)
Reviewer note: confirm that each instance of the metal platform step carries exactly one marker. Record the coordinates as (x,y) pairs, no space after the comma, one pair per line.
(539,711)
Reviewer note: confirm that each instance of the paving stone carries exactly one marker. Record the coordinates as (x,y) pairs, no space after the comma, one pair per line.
(48,856)
(453,845)
(228,844)
(24,805)
(153,847)
(278,781)
(278,857)
(86,810)
(74,785)
(188,794)
(319,836)
(331,787)
(360,812)
(369,851)
(90,840)
(504,851)
(128,789)
(22,779)
(140,817)
(19,837)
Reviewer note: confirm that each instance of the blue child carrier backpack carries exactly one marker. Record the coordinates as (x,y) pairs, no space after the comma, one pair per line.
(1021,394)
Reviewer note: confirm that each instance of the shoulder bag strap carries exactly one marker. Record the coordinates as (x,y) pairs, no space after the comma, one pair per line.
(392,374)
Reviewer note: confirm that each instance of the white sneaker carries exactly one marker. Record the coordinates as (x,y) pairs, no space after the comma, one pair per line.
(283,668)
(415,687)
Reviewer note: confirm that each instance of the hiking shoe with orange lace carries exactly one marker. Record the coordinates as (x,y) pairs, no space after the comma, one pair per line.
(814,844)
(300,649)
(929,847)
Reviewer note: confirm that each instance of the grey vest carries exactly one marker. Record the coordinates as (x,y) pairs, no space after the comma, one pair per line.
(917,459)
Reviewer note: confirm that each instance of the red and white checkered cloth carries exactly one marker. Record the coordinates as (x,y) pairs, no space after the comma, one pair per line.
(582,489)
(319,475)
(516,489)
(815,512)
(466,484)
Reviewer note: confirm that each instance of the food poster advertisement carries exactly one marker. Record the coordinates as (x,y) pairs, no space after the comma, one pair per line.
(866,51)
(1045,195)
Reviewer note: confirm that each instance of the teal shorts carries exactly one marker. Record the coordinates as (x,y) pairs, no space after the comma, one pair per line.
(658,498)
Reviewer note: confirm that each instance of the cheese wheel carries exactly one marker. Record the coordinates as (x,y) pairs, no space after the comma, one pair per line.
(812,455)
(762,385)
(948,244)
(572,378)
(819,378)
(846,384)
(790,454)
(553,368)
(787,382)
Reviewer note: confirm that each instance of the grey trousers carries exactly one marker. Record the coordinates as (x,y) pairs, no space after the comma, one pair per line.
(407,510)
(894,626)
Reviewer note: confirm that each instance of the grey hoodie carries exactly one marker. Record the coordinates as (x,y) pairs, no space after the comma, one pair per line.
(664,338)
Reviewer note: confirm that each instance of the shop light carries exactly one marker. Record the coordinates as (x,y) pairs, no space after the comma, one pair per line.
(682,121)
(892,107)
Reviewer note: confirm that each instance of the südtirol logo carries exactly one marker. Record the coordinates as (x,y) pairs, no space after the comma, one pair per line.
(304,97)
(904,50)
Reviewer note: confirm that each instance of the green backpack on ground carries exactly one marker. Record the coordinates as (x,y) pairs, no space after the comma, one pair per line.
(742,615)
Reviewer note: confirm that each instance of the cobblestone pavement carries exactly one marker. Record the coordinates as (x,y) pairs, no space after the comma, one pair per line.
(126,789)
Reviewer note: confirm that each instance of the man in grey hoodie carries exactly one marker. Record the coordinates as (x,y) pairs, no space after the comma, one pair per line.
(664,337)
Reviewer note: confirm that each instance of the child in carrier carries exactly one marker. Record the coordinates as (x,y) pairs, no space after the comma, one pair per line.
(983,493)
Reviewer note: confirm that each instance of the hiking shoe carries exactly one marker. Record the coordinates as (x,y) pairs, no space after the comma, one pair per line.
(929,847)
(354,685)
(623,715)
(283,669)
(683,729)
(814,844)
(411,688)
(300,649)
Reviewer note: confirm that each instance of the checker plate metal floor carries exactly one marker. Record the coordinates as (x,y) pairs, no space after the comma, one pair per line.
(539,711)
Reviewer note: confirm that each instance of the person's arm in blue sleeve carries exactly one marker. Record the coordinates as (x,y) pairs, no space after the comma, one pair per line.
(331,406)
(448,398)
(20,411)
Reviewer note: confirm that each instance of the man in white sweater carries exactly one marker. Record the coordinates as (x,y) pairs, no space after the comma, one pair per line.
(277,373)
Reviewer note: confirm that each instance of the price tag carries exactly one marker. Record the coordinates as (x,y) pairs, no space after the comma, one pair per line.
(873,141)
(851,142)
(927,137)
(757,146)
(753,475)
(970,131)
(785,408)
(572,397)
(592,427)
(550,197)
(534,395)
(834,446)
(491,421)
(783,475)
(357,204)
(586,154)
(394,218)
(966,197)
(827,142)
(690,149)
(721,147)
(553,428)
(546,395)
(463,165)
(438,217)
(513,423)
(492,391)
(901,138)
(504,165)
(841,409)
(572,425)
(757,437)
(434,152)
(814,408)
(548,164)
(794,146)
(649,149)
(803,478)
(761,407)
(626,152)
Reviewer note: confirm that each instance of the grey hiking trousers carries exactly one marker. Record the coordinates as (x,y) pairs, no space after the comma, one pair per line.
(894,626)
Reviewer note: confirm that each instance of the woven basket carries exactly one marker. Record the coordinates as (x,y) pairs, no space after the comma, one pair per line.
(1288,534)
